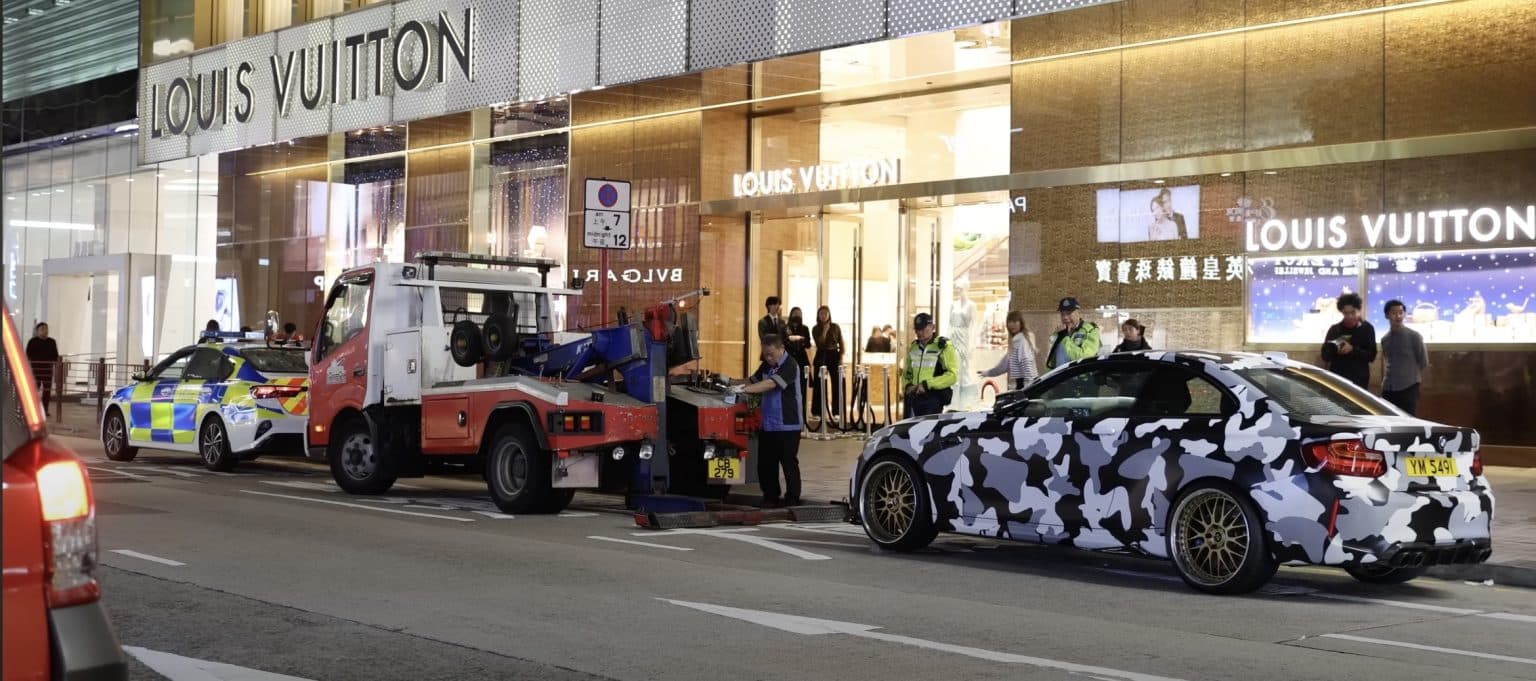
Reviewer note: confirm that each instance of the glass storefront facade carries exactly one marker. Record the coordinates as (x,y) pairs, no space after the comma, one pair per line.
(116,257)
(1220,173)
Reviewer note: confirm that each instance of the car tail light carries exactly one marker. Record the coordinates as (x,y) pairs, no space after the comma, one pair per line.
(1477,464)
(1346,457)
(281,392)
(576,422)
(70,528)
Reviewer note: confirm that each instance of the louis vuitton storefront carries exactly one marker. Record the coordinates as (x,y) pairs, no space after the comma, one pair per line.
(1221,174)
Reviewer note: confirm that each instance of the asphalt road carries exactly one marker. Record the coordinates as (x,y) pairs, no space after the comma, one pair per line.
(276,570)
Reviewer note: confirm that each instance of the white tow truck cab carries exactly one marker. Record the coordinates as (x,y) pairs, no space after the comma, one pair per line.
(434,361)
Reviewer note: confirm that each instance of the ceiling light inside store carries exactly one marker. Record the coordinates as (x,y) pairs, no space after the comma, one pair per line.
(126,127)
(1226,174)
(1159,182)
(1271,172)
(35,11)
(12,20)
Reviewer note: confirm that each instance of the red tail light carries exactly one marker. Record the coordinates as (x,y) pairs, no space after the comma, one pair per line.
(281,392)
(1346,457)
(69,523)
(1477,464)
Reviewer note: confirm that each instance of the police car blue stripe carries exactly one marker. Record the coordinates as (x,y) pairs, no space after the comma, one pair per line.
(165,391)
(184,416)
(138,414)
(161,435)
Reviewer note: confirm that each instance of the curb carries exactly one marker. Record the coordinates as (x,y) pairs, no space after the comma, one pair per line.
(1501,574)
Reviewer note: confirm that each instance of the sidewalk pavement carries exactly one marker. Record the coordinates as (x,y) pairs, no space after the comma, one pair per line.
(826,464)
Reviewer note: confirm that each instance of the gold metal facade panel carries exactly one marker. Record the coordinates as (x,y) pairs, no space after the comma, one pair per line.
(437,189)
(1474,180)
(1183,99)
(1314,84)
(1158,19)
(1461,66)
(1067,113)
(1271,11)
(432,132)
(1056,33)
(789,75)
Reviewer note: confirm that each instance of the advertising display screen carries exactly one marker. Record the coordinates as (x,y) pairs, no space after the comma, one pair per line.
(1450,297)
(1160,214)
(1294,300)
(1459,297)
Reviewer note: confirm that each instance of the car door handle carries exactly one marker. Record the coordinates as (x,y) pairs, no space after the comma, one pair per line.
(360,370)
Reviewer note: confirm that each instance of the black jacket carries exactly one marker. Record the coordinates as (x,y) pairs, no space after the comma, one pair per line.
(1355,366)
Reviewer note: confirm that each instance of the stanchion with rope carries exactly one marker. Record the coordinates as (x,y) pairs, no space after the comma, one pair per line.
(821,434)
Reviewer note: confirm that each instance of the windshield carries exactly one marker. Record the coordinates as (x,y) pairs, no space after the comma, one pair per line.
(1312,392)
(268,360)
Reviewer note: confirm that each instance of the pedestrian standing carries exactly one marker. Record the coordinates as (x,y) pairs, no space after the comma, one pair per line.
(778,381)
(772,324)
(797,343)
(1133,337)
(1350,346)
(1075,339)
(829,354)
(1403,359)
(1019,362)
(928,379)
(43,354)
(878,341)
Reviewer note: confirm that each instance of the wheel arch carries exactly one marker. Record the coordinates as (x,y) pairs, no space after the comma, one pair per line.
(885,452)
(101,430)
(512,412)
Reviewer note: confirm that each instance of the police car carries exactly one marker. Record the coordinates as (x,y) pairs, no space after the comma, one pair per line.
(232,397)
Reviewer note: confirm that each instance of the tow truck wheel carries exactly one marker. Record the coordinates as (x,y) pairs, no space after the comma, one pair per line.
(517,472)
(357,463)
(558,500)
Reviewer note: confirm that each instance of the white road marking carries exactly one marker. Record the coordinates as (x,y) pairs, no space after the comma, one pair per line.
(1512,617)
(496,516)
(810,626)
(1398,604)
(576,514)
(401,485)
(125,474)
(145,556)
(299,484)
(178,668)
(819,542)
(639,543)
(1433,649)
(740,534)
(361,506)
(170,471)
(827,528)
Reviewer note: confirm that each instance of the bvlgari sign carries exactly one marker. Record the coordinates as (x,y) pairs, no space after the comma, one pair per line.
(415,55)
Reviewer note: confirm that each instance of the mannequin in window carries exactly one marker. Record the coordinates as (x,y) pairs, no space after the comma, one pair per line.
(962,319)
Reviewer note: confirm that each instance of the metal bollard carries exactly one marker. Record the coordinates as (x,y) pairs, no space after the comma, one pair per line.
(886,383)
(821,433)
(101,388)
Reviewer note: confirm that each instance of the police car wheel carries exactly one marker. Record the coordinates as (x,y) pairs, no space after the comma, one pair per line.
(114,437)
(358,465)
(517,473)
(213,445)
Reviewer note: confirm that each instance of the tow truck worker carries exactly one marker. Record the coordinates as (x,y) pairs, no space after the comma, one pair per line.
(928,379)
(778,381)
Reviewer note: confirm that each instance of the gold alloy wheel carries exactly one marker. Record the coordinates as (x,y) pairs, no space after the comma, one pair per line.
(1211,539)
(889,501)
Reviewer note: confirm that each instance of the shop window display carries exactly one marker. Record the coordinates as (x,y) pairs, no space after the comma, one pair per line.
(1461,297)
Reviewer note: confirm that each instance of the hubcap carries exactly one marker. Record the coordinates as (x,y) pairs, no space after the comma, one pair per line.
(512,473)
(115,436)
(213,442)
(357,456)
(889,502)
(1211,538)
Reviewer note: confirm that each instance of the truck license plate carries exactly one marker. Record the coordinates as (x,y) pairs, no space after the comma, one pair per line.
(1432,467)
(725,469)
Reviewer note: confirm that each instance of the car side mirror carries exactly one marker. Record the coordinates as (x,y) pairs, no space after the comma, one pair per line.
(1010,404)
(139,378)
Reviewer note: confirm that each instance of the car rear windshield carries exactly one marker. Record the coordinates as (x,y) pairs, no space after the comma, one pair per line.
(276,361)
(1311,392)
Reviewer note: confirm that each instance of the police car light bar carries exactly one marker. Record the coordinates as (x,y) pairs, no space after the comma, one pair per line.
(238,335)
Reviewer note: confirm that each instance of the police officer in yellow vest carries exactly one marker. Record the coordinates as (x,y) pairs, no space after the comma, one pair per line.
(928,377)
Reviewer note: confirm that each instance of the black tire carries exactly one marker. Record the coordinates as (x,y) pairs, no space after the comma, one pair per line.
(517,473)
(1217,541)
(359,464)
(114,437)
(558,500)
(465,343)
(1374,574)
(213,446)
(500,338)
(894,504)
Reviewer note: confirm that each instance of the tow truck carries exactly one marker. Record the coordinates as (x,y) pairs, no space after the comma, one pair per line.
(456,356)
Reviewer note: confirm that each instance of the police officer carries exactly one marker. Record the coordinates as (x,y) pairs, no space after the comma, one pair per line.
(1075,338)
(928,377)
